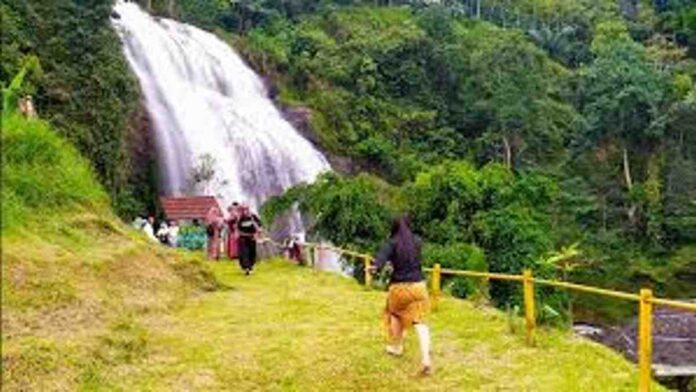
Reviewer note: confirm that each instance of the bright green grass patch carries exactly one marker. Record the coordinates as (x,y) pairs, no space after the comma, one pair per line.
(43,175)
(288,328)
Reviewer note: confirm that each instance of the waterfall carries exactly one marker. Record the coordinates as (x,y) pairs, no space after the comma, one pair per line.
(211,114)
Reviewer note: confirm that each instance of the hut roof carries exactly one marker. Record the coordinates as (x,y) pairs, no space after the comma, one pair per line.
(195,207)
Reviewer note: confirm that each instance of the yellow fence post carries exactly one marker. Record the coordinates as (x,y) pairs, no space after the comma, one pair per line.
(435,284)
(645,339)
(368,274)
(529,312)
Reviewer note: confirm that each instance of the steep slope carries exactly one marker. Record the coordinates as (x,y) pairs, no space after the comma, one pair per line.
(76,283)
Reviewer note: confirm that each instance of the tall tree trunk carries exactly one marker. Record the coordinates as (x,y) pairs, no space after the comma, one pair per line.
(627,170)
(170,9)
(603,202)
(508,152)
(631,213)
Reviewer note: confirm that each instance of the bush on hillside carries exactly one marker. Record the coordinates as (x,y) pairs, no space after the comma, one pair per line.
(459,256)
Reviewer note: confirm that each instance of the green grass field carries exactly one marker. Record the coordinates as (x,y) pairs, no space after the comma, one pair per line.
(126,315)
(288,328)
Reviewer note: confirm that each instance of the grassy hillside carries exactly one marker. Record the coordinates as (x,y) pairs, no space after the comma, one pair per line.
(89,304)
(76,283)
(293,329)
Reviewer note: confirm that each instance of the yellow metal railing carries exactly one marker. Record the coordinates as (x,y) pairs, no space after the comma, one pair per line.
(646,300)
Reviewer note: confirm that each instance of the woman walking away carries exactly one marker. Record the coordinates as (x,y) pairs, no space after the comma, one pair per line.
(232,235)
(407,301)
(213,221)
(248,229)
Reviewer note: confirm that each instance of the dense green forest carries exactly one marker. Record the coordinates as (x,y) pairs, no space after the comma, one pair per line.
(553,134)
(576,133)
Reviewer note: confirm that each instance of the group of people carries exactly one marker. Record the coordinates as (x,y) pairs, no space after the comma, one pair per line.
(239,232)
(167,234)
(407,299)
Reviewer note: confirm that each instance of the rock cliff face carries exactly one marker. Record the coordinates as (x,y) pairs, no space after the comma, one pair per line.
(300,117)
(143,161)
(674,338)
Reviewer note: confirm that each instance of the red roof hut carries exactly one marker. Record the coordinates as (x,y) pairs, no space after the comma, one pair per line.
(187,208)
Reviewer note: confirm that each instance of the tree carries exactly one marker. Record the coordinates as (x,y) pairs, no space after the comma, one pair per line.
(624,98)
(345,211)
(443,200)
(204,175)
(518,89)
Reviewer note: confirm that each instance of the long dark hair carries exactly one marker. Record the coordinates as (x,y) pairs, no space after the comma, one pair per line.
(405,241)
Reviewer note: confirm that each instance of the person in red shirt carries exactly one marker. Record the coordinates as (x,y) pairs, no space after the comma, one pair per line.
(232,234)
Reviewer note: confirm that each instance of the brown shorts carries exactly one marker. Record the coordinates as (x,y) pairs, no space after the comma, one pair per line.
(408,302)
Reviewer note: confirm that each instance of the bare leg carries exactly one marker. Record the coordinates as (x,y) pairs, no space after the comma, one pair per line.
(396,330)
(423,333)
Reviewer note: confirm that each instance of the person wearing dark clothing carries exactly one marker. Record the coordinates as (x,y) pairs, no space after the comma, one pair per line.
(406,265)
(295,250)
(248,229)
(407,301)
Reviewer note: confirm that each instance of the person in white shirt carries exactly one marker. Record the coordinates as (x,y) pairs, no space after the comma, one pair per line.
(173,233)
(149,230)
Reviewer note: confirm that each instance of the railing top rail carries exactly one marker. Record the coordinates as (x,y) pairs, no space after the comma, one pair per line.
(675,304)
(339,250)
(683,305)
(480,274)
(589,289)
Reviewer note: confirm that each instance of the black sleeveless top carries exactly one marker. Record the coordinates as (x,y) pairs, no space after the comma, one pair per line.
(405,270)
(248,225)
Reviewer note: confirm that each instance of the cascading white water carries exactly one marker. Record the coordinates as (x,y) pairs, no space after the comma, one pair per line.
(206,102)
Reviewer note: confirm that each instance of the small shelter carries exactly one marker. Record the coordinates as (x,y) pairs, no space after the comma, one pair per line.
(188,208)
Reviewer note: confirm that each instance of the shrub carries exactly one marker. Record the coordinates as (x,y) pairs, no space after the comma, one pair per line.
(458,256)
(191,237)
